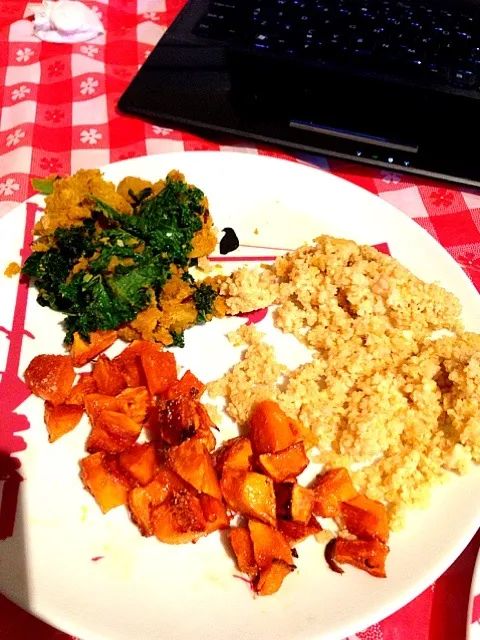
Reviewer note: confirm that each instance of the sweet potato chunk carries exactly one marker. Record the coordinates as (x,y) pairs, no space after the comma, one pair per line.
(85,385)
(295,532)
(160,370)
(95,403)
(50,377)
(268,544)
(367,519)
(61,419)
(179,519)
(214,513)
(301,504)
(109,489)
(82,351)
(235,454)
(140,462)
(192,462)
(188,385)
(272,577)
(249,493)
(243,549)
(130,364)
(270,428)
(367,555)
(112,432)
(174,421)
(331,489)
(139,504)
(135,402)
(108,376)
(286,464)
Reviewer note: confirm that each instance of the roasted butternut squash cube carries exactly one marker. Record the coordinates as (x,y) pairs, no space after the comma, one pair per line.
(160,370)
(50,377)
(139,505)
(95,403)
(188,385)
(140,462)
(249,493)
(242,546)
(286,464)
(268,544)
(83,351)
(136,403)
(130,364)
(179,519)
(174,421)
(271,578)
(331,489)
(367,519)
(108,376)
(206,437)
(85,386)
(296,532)
(61,418)
(236,454)
(192,462)
(271,430)
(112,432)
(368,555)
(301,503)
(109,489)
(214,513)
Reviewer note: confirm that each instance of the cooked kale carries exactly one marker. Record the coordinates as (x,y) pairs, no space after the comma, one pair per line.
(204,298)
(178,338)
(121,261)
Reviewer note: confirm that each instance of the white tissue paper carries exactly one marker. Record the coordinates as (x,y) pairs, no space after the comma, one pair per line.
(66,21)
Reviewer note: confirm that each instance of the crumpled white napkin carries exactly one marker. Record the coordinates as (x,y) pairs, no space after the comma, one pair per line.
(66,21)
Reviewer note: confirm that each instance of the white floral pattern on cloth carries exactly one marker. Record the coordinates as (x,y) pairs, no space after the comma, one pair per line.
(161,131)
(90,136)
(390,177)
(24,55)
(14,138)
(153,16)
(89,50)
(8,187)
(88,86)
(20,93)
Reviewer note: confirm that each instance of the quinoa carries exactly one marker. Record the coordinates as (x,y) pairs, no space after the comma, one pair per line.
(380,395)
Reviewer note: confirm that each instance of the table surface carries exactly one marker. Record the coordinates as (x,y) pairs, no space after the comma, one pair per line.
(59,114)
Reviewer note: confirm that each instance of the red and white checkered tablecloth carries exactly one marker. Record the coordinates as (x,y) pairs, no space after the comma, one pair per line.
(58,114)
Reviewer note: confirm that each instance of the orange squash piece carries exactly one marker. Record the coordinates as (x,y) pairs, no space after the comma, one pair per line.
(188,385)
(95,403)
(61,419)
(192,462)
(286,464)
(50,377)
(301,504)
(160,370)
(268,544)
(236,454)
(139,505)
(140,462)
(109,489)
(130,363)
(179,519)
(214,513)
(83,351)
(174,421)
(295,532)
(242,546)
(331,489)
(369,555)
(108,376)
(271,429)
(249,493)
(136,403)
(112,432)
(272,577)
(85,385)
(367,519)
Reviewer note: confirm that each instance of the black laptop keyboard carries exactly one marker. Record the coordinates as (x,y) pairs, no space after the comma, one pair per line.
(416,39)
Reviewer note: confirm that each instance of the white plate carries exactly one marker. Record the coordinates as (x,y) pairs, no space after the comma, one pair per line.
(143,589)
(473,618)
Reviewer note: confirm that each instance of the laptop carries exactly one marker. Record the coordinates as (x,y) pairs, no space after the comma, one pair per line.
(382,82)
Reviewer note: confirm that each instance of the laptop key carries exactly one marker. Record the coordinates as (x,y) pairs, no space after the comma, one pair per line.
(464,78)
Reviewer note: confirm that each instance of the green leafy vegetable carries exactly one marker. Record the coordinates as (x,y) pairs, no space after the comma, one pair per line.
(44,187)
(204,298)
(103,273)
(178,339)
